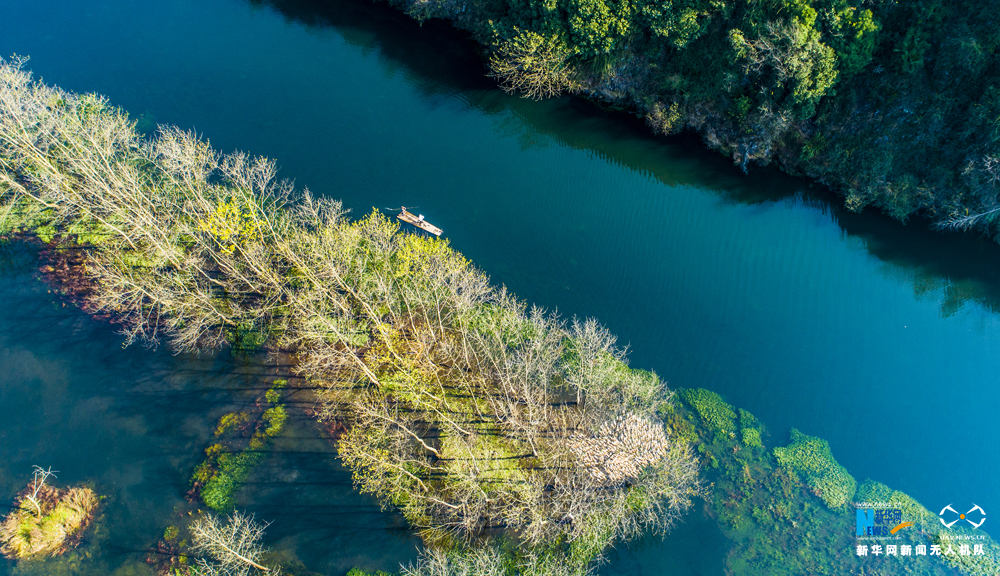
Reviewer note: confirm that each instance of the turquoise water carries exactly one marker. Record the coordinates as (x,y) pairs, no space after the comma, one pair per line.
(879,337)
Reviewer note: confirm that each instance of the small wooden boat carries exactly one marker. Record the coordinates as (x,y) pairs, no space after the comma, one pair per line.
(418,221)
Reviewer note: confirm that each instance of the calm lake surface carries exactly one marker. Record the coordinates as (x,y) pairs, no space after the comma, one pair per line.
(880,338)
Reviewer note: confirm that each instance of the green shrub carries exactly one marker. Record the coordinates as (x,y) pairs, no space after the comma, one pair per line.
(532,64)
(231,421)
(715,413)
(751,438)
(217,493)
(171,533)
(872,491)
(360,572)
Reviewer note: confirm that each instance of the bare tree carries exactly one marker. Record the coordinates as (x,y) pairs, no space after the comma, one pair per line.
(982,176)
(484,561)
(39,477)
(232,548)
(469,411)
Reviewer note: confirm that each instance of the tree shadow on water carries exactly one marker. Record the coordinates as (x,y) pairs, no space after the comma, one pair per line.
(441,61)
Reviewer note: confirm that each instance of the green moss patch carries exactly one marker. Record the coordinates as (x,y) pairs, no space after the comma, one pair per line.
(715,413)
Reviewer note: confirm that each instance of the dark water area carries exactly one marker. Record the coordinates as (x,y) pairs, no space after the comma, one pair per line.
(879,337)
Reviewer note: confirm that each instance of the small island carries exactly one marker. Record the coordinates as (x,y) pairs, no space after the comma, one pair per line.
(45,520)
(512,440)
(504,434)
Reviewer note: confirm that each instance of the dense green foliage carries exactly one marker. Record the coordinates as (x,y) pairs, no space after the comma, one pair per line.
(893,104)
(715,413)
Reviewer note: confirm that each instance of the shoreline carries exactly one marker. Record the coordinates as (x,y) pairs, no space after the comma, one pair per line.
(826,131)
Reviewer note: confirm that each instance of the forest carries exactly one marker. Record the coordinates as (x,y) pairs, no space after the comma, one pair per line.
(894,105)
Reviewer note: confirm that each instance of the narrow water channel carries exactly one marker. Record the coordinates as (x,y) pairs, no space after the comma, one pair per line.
(878,337)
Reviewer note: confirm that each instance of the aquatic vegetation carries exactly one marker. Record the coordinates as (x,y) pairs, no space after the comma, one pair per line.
(231,421)
(811,457)
(227,466)
(750,430)
(751,438)
(778,524)
(167,558)
(45,520)
(949,539)
(171,533)
(717,415)
(872,491)
(767,511)
(275,418)
(360,572)
(952,543)
(218,492)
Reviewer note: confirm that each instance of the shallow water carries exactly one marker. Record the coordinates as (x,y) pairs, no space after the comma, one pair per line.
(133,423)
(879,337)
